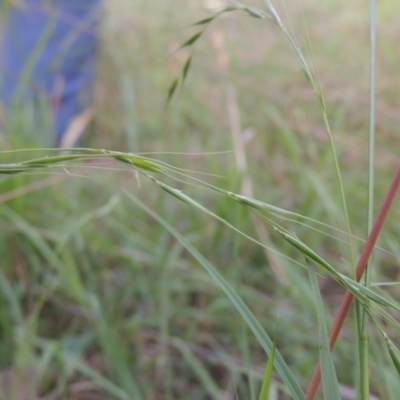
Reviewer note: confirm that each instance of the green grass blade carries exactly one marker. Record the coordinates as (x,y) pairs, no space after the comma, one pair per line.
(115,351)
(205,21)
(263,338)
(52,160)
(370,294)
(172,90)
(308,252)
(371,185)
(393,352)
(193,39)
(254,12)
(188,200)
(7,169)
(330,383)
(186,69)
(371,156)
(266,383)
(319,96)
(359,291)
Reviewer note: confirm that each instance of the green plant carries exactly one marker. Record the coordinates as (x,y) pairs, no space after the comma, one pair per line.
(104,323)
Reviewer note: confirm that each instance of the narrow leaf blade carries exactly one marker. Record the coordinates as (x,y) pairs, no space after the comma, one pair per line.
(172,90)
(263,338)
(330,383)
(266,383)
(186,69)
(191,40)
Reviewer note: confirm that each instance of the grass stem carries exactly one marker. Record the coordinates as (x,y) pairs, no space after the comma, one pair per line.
(364,378)
(362,263)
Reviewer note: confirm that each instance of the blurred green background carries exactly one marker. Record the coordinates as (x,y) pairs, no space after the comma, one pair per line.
(97,301)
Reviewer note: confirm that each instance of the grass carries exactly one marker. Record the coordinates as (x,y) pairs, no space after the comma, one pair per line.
(99,301)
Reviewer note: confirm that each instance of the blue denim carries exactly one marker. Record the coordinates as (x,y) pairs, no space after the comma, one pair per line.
(50,49)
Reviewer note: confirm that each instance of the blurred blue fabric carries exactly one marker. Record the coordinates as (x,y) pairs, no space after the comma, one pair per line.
(50,49)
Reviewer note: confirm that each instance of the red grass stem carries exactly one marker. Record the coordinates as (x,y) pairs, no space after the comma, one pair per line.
(362,264)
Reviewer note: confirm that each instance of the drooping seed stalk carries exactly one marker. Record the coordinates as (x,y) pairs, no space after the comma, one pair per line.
(321,102)
(361,265)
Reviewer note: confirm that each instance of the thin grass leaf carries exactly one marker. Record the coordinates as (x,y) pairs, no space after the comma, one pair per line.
(126,158)
(247,315)
(371,184)
(227,9)
(188,200)
(266,383)
(370,294)
(319,96)
(262,206)
(139,162)
(308,252)
(115,351)
(361,292)
(246,352)
(172,90)
(176,193)
(191,40)
(274,14)
(186,69)
(71,279)
(330,383)
(385,316)
(205,21)
(52,160)
(16,168)
(385,284)
(257,204)
(255,12)
(393,352)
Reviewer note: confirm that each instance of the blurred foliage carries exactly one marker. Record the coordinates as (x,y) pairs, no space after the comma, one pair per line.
(97,299)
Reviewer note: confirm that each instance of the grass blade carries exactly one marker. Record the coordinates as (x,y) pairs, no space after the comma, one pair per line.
(263,338)
(330,383)
(191,40)
(172,90)
(116,352)
(364,353)
(361,292)
(186,69)
(362,262)
(266,383)
(393,352)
